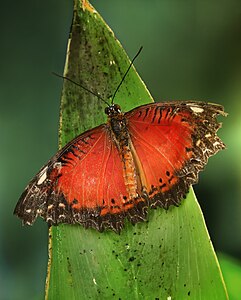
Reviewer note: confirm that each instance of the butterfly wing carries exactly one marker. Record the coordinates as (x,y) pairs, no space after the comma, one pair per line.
(83,183)
(172,143)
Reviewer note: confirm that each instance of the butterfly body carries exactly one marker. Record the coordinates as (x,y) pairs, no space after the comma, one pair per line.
(147,157)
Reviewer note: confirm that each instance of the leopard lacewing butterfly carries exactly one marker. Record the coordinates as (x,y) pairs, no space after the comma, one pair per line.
(147,157)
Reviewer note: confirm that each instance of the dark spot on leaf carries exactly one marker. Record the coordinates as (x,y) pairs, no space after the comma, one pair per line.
(132,258)
(69,265)
(189,293)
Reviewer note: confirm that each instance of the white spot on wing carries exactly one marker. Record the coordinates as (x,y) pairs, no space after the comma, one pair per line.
(94,281)
(197,109)
(57,165)
(42,176)
(216,143)
(61,216)
(50,206)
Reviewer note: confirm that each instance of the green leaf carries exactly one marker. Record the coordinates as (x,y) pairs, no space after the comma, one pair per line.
(231,269)
(168,257)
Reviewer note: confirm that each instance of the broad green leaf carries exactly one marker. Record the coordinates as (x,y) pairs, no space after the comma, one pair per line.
(168,257)
(231,269)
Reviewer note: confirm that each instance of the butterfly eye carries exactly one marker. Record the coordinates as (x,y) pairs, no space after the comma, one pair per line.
(113,110)
(117,108)
(107,110)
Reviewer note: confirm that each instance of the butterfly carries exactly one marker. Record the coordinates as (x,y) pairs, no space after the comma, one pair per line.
(147,157)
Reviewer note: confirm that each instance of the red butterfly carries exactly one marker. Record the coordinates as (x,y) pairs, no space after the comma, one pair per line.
(147,157)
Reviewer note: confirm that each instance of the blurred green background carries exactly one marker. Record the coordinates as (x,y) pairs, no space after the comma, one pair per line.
(192,50)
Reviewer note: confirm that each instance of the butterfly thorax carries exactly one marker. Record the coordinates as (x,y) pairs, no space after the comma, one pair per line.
(119,129)
(120,134)
(118,125)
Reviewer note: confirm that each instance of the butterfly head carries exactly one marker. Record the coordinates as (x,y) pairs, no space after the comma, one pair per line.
(113,110)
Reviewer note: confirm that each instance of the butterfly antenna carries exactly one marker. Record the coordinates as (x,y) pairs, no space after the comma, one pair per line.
(83,87)
(123,78)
